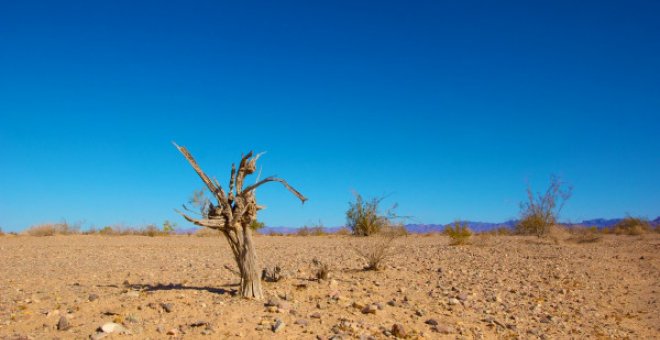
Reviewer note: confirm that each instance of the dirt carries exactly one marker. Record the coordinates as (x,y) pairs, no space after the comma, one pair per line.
(180,287)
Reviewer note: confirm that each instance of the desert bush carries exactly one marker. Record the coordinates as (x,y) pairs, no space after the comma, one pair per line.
(257,225)
(631,226)
(541,211)
(52,229)
(274,274)
(377,249)
(364,217)
(314,230)
(169,227)
(321,269)
(580,234)
(459,233)
(343,231)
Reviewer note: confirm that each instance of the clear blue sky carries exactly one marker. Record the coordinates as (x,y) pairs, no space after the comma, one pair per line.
(449,106)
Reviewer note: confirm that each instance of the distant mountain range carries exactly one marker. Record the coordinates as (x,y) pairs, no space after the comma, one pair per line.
(600,223)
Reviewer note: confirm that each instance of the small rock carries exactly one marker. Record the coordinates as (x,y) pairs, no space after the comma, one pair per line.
(93,297)
(443,329)
(419,312)
(272,309)
(315,315)
(168,307)
(172,331)
(398,330)
(369,309)
(432,322)
(462,297)
(63,324)
(302,322)
(278,326)
(392,303)
(453,301)
(160,329)
(111,327)
(272,302)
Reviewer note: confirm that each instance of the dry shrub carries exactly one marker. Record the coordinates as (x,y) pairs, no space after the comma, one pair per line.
(274,274)
(541,211)
(632,226)
(584,235)
(343,231)
(206,232)
(557,233)
(311,231)
(321,269)
(52,229)
(376,249)
(459,233)
(1,233)
(482,239)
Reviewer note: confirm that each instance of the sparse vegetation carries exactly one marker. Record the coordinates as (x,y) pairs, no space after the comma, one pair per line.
(311,231)
(52,229)
(364,217)
(377,248)
(580,234)
(459,233)
(257,225)
(1,233)
(632,226)
(541,211)
(274,274)
(343,231)
(322,269)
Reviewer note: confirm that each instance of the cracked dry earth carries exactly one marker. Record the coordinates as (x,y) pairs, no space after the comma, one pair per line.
(74,287)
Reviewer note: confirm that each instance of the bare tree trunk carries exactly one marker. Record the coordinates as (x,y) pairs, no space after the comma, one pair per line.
(232,215)
(250,275)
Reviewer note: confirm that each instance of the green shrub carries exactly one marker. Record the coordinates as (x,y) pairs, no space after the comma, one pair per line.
(364,217)
(459,233)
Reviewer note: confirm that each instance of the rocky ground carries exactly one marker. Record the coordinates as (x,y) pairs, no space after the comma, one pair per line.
(179,287)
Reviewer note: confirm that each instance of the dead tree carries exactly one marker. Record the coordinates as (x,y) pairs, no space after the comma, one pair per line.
(233,214)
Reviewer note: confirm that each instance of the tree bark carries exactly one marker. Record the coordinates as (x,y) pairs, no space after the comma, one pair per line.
(250,274)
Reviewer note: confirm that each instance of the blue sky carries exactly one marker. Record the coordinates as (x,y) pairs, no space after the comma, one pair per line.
(449,107)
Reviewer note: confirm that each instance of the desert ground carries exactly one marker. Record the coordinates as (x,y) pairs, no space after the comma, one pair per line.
(179,287)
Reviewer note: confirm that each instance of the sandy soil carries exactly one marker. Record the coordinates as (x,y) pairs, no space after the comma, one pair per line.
(178,287)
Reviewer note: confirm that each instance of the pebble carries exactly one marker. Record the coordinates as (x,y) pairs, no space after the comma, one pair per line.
(369,309)
(453,301)
(398,330)
(111,327)
(63,324)
(93,297)
(168,307)
(315,315)
(302,322)
(278,326)
(432,322)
